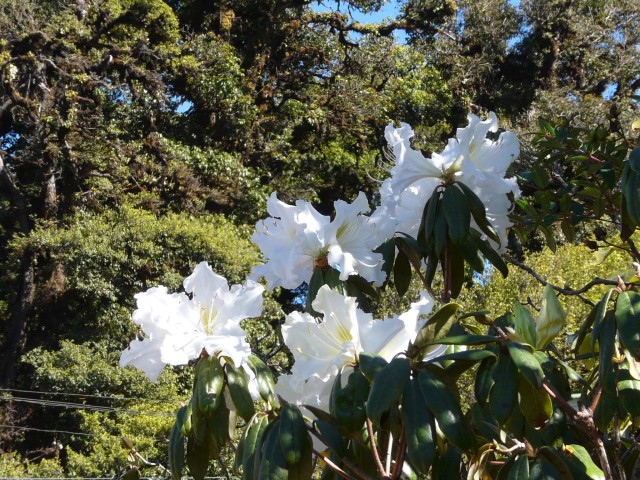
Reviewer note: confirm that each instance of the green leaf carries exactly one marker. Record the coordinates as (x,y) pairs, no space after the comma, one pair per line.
(402,273)
(634,159)
(479,212)
(198,457)
(629,390)
(608,405)
(440,234)
(535,404)
(456,269)
(456,211)
(176,451)
(293,433)
(525,325)
(209,383)
(419,428)
(583,467)
(551,318)
(471,255)
(473,356)
(526,363)
(628,318)
(601,312)
(436,326)
(183,420)
(316,281)
(387,387)
(370,364)
(239,391)
(447,466)
(520,469)
(349,402)
(552,461)
(607,343)
(504,394)
(446,409)
(333,437)
(264,379)
(428,219)
(252,432)
(484,379)
(490,254)
(273,465)
(218,430)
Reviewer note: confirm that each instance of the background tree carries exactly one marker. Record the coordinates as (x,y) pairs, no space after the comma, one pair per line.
(139,137)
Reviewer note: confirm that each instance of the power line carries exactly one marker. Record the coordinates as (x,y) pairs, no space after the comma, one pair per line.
(82,406)
(17,427)
(87,395)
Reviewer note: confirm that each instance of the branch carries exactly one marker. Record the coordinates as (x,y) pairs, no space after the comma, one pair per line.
(584,419)
(563,291)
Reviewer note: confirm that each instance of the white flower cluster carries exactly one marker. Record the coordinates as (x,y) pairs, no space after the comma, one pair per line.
(295,239)
(178,326)
(470,157)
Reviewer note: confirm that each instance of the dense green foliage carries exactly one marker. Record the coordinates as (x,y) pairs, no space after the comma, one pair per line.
(139,137)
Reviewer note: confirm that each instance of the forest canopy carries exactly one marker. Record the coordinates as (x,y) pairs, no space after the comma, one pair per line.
(139,138)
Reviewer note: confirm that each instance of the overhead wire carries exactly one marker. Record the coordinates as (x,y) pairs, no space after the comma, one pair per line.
(81,406)
(87,395)
(18,427)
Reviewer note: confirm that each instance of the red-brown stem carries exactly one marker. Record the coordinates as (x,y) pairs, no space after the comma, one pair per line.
(333,466)
(402,446)
(359,473)
(446,271)
(374,449)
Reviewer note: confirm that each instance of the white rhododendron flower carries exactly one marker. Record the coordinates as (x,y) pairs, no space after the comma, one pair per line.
(470,157)
(295,238)
(323,348)
(179,326)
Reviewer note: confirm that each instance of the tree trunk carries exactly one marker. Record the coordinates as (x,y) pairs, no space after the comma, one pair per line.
(15,336)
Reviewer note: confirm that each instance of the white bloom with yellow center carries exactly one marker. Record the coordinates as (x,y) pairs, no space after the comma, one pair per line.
(323,348)
(470,157)
(179,326)
(296,237)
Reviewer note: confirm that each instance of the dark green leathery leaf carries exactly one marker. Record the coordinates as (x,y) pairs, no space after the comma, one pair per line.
(628,318)
(446,409)
(264,379)
(535,404)
(273,465)
(457,213)
(527,363)
(370,364)
(176,452)
(387,386)
(419,428)
(239,391)
(293,433)
(209,384)
(504,393)
(251,443)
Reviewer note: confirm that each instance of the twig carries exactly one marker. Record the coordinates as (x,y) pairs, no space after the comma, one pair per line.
(387,465)
(374,450)
(346,461)
(333,466)
(402,448)
(564,291)
(584,419)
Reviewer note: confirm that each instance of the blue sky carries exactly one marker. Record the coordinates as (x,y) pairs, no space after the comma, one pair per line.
(389,10)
